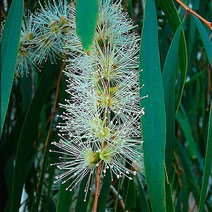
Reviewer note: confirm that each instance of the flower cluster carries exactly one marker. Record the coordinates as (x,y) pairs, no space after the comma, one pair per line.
(43,36)
(101,123)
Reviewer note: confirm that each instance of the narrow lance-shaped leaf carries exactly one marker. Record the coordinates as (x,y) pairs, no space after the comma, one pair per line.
(104,193)
(86,20)
(170,11)
(64,199)
(129,194)
(169,78)
(9,51)
(186,165)
(142,204)
(208,164)
(82,199)
(154,121)
(186,128)
(130,8)
(205,37)
(169,199)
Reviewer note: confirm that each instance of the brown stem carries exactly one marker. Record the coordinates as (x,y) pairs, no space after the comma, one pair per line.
(179,170)
(209,24)
(98,178)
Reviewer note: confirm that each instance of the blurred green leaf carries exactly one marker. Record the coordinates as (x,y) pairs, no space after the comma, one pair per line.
(118,196)
(169,78)
(205,38)
(142,204)
(208,164)
(185,197)
(170,11)
(64,199)
(186,128)
(8,175)
(48,204)
(26,92)
(130,194)
(130,9)
(10,146)
(9,51)
(82,199)
(186,163)
(154,121)
(86,20)
(28,132)
(104,192)
(169,199)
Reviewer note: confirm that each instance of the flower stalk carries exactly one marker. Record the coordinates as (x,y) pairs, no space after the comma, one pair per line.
(98,179)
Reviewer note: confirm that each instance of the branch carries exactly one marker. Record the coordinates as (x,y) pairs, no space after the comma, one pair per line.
(189,10)
(98,178)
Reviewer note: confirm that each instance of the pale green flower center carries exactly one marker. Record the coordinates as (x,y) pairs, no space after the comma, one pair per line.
(91,157)
(106,154)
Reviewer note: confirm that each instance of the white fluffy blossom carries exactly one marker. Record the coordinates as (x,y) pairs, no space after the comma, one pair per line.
(44,35)
(26,51)
(101,123)
(55,22)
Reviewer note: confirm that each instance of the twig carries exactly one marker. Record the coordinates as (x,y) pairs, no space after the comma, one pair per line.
(189,10)
(179,170)
(98,178)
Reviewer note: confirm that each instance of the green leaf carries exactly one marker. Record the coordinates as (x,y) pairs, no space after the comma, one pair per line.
(187,168)
(10,145)
(9,51)
(186,128)
(154,121)
(185,197)
(8,176)
(170,11)
(208,164)
(26,92)
(48,204)
(142,204)
(130,194)
(169,199)
(130,9)
(169,78)
(86,20)
(104,192)
(64,199)
(82,199)
(28,132)
(205,38)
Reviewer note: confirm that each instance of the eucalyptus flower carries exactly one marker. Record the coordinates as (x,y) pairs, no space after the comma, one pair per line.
(55,24)
(44,35)
(101,123)
(26,53)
